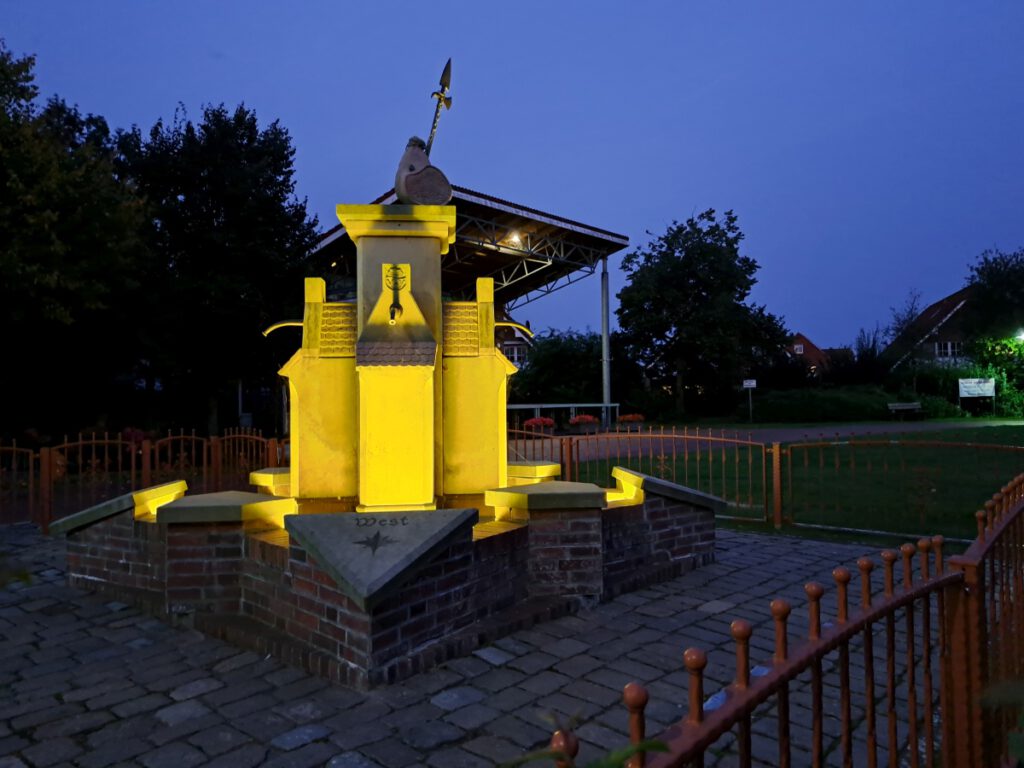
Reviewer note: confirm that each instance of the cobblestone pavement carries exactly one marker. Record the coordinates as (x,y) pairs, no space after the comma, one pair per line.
(89,682)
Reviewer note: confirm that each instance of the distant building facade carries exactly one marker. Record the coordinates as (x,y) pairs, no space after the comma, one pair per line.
(805,352)
(937,335)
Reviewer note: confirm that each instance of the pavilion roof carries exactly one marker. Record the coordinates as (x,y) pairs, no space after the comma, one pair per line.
(528,252)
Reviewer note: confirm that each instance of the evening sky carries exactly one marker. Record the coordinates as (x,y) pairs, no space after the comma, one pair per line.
(869,148)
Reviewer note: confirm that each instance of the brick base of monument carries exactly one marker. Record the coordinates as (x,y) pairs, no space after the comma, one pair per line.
(596,554)
(256,588)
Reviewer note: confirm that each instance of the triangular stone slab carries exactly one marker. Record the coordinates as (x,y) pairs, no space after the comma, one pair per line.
(370,555)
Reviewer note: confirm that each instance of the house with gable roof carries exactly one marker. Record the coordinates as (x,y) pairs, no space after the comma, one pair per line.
(937,334)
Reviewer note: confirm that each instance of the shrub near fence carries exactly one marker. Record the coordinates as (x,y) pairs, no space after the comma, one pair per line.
(908,667)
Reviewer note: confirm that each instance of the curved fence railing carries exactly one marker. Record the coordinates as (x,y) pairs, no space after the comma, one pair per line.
(730,466)
(76,474)
(899,680)
(40,486)
(18,482)
(181,457)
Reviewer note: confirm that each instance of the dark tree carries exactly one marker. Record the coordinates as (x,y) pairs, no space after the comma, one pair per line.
(565,367)
(903,317)
(995,308)
(685,313)
(70,256)
(562,367)
(229,240)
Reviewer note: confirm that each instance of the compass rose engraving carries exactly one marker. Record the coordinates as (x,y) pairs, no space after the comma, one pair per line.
(375,542)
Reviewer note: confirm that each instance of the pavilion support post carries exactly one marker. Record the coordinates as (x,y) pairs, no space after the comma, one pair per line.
(606,356)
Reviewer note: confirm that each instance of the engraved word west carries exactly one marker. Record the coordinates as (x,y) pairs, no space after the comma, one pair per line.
(365,521)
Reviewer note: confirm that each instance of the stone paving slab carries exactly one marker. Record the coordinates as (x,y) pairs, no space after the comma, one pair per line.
(85,681)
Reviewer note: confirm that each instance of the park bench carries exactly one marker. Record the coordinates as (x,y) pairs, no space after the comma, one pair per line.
(901,408)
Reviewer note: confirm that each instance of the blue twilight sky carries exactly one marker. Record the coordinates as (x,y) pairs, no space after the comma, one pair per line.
(868,148)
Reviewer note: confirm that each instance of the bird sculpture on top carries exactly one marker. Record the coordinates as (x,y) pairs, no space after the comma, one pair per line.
(417,182)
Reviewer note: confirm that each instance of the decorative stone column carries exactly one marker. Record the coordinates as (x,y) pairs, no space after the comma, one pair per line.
(398,275)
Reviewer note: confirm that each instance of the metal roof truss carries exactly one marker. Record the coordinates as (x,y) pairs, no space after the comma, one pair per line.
(533,254)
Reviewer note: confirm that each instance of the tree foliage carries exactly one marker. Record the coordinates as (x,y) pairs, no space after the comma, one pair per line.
(562,367)
(903,317)
(70,252)
(227,239)
(130,256)
(565,367)
(685,312)
(996,309)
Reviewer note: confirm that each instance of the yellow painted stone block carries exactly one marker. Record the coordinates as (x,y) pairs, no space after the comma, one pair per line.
(396,438)
(628,489)
(435,221)
(322,394)
(475,386)
(531,472)
(275,481)
(149,500)
(475,436)
(272,512)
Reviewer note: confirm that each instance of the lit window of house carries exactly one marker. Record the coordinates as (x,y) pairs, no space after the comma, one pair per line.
(516,353)
(798,349)
(949,348)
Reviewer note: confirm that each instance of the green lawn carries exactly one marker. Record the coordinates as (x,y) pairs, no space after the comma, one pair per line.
(908,487)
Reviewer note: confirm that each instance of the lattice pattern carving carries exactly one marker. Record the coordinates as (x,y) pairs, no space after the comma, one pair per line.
(461,329)
(338,330)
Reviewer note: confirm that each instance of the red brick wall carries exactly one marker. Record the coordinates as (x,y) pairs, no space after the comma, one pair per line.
(204,562)
(653,542)
(313,624)
(565,552)
(425,623)
(123,557)
(254,590)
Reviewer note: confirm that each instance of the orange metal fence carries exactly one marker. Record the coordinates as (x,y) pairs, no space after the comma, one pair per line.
(730,466)
(906,487)
(909,666)
(18,482)
(75,474)
(899,486)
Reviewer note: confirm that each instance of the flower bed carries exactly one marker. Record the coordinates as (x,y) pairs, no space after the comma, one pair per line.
(631,420)
(541,424)
(584,424)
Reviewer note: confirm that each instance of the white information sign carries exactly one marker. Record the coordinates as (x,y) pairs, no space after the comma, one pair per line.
(750,383)
(977,387)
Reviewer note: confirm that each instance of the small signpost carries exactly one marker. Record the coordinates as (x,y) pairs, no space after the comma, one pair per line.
(750,385)
(979,388)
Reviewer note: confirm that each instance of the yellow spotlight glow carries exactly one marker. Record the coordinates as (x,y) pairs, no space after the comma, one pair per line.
(514,239)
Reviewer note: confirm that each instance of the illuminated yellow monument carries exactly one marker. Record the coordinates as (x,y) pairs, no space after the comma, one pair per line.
(398,398)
